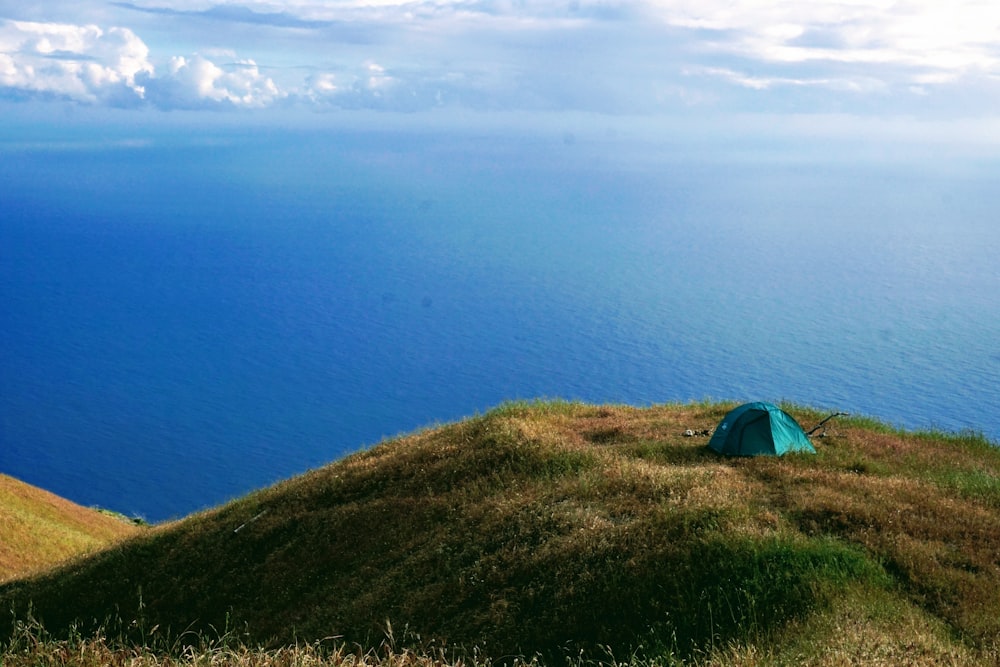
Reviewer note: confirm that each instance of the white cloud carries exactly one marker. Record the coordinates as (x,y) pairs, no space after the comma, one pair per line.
(936,41)
(93,65)
(371,85)
(84,63)
(844,84)
(322,85)
(377,78)
(197,82)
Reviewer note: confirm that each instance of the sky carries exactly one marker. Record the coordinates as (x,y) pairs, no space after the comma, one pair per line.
(932,68)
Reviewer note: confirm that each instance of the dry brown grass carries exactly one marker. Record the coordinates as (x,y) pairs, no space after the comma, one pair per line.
(100,652)
(39,529)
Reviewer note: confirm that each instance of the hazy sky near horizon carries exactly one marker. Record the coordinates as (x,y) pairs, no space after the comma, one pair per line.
(913,59)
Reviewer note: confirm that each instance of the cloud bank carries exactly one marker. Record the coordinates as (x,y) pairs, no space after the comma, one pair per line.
(111,66)
(197,82)
(608,56)
(83,63)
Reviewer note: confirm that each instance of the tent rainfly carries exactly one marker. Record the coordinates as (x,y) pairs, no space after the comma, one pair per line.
(759,429)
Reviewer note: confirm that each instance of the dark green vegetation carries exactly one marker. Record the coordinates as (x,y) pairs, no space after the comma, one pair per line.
(566,530)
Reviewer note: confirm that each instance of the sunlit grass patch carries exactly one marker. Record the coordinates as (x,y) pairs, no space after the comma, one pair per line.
(979,485)
(39,529)
(871,626)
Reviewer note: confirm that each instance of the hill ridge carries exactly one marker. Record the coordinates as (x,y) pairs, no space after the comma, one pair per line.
(553,527)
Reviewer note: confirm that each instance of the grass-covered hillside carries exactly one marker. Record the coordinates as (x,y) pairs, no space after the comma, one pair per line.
(39,529)
(566,530)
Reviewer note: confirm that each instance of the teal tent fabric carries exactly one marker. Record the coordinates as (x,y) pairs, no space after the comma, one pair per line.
(759,429)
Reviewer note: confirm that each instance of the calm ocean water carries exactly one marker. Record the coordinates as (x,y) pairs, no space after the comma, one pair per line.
(183,324)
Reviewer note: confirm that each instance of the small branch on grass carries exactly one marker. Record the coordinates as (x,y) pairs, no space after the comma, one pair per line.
(817,426)
(244,525)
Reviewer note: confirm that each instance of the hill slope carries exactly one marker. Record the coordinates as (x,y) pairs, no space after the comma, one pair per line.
(39,529)
(562,527)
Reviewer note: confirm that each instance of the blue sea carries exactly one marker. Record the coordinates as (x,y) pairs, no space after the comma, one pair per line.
(185,321)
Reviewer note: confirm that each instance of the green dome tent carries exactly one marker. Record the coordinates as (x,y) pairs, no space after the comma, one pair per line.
(759,429)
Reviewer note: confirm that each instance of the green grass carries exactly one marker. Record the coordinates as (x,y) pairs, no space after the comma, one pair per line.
(567,532)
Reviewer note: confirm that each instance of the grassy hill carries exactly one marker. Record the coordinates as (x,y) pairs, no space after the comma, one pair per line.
(580,531)
(39,529)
